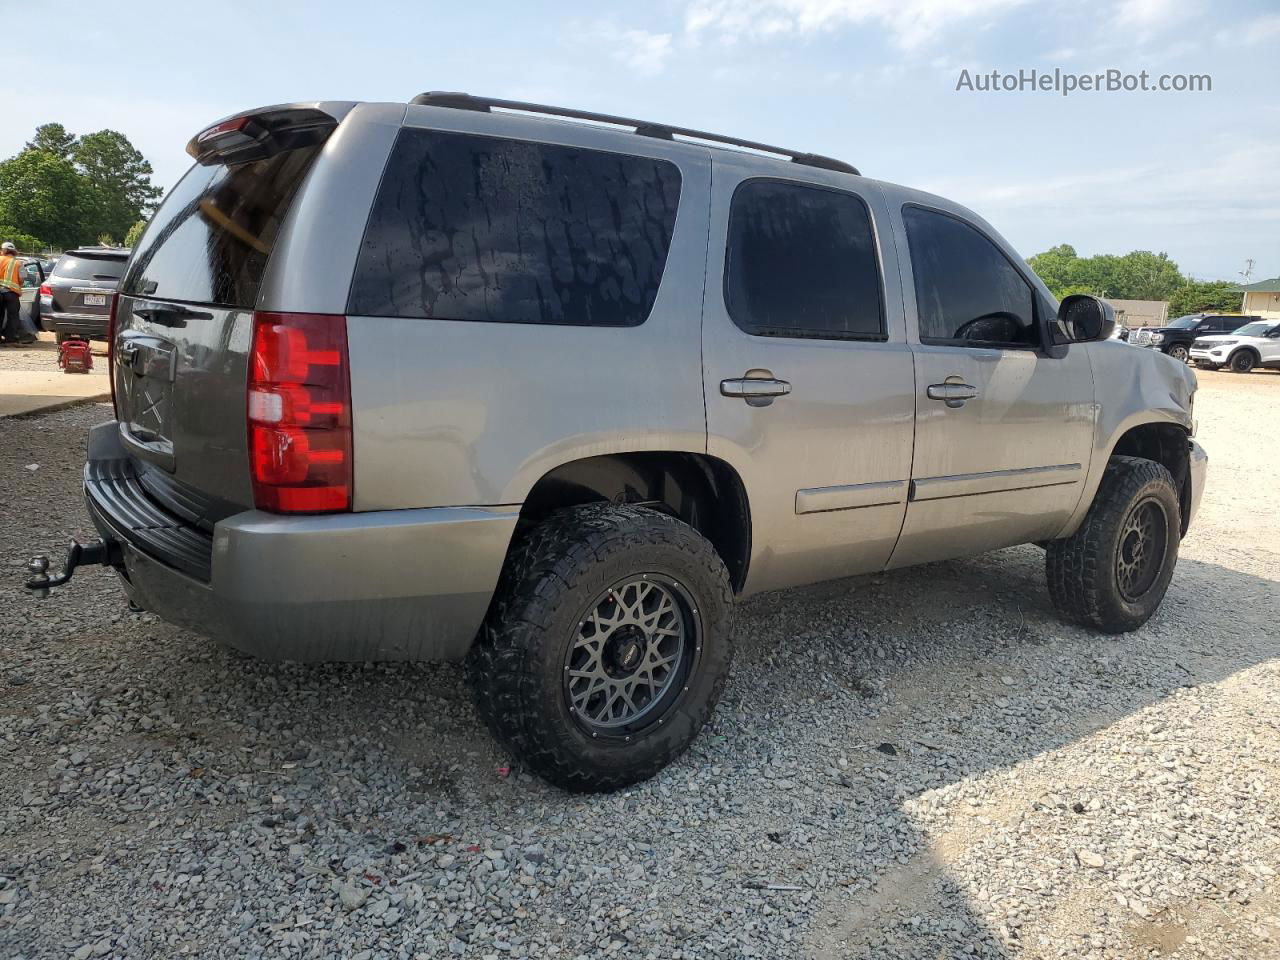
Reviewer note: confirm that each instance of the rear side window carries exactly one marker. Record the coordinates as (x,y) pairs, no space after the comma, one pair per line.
(71,267)
(801,262)
(210,239)
(967,291)
(481,228)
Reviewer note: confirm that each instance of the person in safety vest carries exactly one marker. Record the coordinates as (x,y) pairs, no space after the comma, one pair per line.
(10,305)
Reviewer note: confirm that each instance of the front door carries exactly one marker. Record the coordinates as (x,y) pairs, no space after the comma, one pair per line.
(1003,432)
(806,371)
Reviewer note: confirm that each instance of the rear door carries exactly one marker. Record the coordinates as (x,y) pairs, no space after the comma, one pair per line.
(184,322)
(806,372)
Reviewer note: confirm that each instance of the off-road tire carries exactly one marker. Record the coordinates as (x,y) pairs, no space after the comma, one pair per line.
(1082,569)
(1243,361)
(552,576)
(1179,352)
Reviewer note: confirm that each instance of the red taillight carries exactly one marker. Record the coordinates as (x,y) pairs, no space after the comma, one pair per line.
(299,412)
(46,290)
(111,346)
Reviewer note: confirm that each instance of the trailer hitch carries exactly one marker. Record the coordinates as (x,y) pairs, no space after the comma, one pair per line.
(97,552)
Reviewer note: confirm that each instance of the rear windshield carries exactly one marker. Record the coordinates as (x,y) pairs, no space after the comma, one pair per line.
(210,239)
(482,228)
(72,267)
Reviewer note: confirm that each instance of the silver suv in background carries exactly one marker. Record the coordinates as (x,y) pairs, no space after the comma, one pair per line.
(459,379)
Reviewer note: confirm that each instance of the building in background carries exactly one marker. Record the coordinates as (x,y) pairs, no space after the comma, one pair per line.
(1261,299)
(1140,313)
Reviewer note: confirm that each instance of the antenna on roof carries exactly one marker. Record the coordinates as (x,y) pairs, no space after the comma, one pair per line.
(661,131)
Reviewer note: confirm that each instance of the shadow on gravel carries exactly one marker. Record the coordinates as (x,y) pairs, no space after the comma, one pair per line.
(976,644)
(849,701)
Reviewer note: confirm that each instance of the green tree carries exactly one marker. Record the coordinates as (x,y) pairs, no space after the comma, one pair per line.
(25,242)
(1143,275)
(1059,267)
(42,195)
(1203,297)
(54,138)
(135,234)
(119,191)
(1139,275)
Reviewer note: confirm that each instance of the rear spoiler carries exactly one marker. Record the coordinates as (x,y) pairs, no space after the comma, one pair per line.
(266,131)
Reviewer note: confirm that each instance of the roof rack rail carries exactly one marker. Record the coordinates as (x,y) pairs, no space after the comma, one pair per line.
(661,131)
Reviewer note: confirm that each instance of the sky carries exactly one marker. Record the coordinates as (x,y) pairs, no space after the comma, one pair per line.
(873,82)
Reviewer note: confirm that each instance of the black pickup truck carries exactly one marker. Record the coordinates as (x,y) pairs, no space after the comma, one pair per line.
(1176,337)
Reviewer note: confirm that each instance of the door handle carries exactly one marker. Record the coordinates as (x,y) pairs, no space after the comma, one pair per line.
(757,391)
(952,394)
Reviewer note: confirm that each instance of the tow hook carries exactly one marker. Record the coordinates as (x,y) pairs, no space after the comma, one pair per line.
(97,552)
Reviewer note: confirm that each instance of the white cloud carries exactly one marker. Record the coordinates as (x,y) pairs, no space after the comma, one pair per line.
(644,52)
(910,23)
(1149,14)
(1250,34)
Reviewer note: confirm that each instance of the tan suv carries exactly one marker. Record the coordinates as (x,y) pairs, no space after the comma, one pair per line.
(458,379)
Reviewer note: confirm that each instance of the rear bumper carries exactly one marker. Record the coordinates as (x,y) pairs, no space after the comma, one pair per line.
(385,585)
(90,327)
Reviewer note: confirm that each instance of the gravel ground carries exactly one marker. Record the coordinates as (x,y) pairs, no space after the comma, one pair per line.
(922,764)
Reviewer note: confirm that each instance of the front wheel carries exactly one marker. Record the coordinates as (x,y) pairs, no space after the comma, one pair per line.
(1112,573)
(1243,361)
(1179,352)
(606,647)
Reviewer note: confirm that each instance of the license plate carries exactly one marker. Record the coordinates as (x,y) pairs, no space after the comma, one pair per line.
(95,299)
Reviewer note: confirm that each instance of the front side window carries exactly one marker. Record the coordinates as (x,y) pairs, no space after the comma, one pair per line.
(801,262)
(480,228)
(967,291)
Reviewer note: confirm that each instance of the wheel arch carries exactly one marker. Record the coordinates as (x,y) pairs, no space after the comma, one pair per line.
(1167,444)
(703,491)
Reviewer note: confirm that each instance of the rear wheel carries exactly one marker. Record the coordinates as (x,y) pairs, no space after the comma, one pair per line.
(1112,573)
(1243,361)
(606,647)
(1179,352)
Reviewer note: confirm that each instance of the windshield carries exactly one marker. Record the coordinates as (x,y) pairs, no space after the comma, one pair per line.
(1182,323)
(1258,329)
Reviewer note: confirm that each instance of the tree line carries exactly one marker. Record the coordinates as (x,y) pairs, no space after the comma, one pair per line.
(63,190)
(1140,275)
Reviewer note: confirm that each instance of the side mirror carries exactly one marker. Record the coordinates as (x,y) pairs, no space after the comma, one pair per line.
(1083,318)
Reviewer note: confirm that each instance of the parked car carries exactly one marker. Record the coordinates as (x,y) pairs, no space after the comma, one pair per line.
(1176,337)
(1256,344)
(75,300)
(545,397)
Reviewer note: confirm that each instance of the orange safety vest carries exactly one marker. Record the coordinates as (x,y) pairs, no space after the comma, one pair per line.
(10,277)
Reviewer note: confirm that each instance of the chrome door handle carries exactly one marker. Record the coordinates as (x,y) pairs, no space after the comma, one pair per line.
(758,392)
(952,394)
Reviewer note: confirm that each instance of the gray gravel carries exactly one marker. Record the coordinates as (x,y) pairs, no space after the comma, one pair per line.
(921,764)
